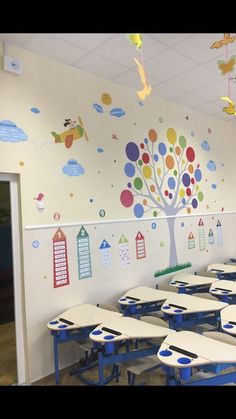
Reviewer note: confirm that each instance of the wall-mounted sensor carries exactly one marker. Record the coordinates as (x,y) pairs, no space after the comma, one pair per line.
(12,64)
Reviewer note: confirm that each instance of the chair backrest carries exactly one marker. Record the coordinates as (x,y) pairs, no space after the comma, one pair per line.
(109,307)
(154,320)
(223,337)
(206,295)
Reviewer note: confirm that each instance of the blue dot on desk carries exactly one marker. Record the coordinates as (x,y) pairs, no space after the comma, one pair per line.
(165,353)
(181,285)
(109,337)
(54,322)
(228,326)
(178,311)
(131,302)
(166,307)
(62,326)
(183,360)
(123,299)
(225,292)
(97,332)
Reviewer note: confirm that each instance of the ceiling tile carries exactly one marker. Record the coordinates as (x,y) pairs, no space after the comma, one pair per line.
(199,47)
(194,79)
(131,78)
(214,91)
(167,92)
(121,51)
(168,64)
(100,66)
(86,41)
(52,47)
(189,100)
(170,39)
(17,39)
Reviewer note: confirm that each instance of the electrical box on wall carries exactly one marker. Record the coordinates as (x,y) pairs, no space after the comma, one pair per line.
(12,64)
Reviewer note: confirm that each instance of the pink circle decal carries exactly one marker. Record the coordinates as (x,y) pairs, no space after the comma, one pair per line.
(126,198)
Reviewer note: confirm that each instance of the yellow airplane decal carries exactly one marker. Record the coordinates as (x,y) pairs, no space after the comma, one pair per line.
(230,109)
(71,134)
(135,39)
(146,91)
(227,67)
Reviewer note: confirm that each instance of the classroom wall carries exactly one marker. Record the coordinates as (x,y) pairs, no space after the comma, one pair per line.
(106,185)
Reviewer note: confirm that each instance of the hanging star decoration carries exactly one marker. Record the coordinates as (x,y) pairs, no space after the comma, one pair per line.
(227,67)
(225,41)
(135,39)
(146,91)
(230,109)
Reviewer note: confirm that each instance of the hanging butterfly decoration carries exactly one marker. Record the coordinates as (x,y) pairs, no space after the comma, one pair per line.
(135,39)
(227,67)
(225,41)
(146,91)
(230,109)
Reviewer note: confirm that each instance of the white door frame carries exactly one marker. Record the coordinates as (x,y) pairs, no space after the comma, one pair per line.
(19,304)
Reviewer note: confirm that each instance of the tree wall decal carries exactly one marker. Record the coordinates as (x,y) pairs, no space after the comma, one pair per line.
(165,178)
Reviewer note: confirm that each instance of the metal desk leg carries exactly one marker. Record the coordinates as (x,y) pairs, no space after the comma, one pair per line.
(100,368)
(56,358)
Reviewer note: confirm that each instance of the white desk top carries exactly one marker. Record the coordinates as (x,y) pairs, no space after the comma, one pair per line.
(207,350)
(221,268)
(227,315)
(128,328)
(144,295)
(191,304)
(189,280)
(82,315)
(223,287)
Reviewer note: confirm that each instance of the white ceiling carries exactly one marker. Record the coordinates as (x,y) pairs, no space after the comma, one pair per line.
(181,68)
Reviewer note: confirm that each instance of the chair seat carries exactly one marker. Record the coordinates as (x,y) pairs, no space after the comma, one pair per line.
(141,365)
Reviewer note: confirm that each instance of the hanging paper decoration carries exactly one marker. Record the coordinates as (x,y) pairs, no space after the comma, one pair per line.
(210,237)
(140,246)
(83,251)
(191,241)
(124,251)
(219,233)
(146,91)
(201,235)
(60,260)
(105,253)
(227,67)
(230,109)
(135,39)
(225,41)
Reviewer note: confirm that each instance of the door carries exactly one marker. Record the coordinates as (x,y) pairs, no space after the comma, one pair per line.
(12,342)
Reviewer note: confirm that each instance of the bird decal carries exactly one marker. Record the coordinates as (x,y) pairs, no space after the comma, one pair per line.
(230,109)
(225,41)
(146,91)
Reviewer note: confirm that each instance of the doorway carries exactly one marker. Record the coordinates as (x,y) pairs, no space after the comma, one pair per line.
(12,353)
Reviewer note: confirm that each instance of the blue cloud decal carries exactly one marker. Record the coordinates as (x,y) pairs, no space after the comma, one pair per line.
(211,165)
(205,146)
(73,168)
(10,132)
(118,112)
(35,110)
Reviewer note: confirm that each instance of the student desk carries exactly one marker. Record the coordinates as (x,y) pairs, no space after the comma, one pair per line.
(75,324)
(183,310)
(142,300)
(186,349)
(228,319)
(108,335)
(224,290)
(188,283)
(223,271)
